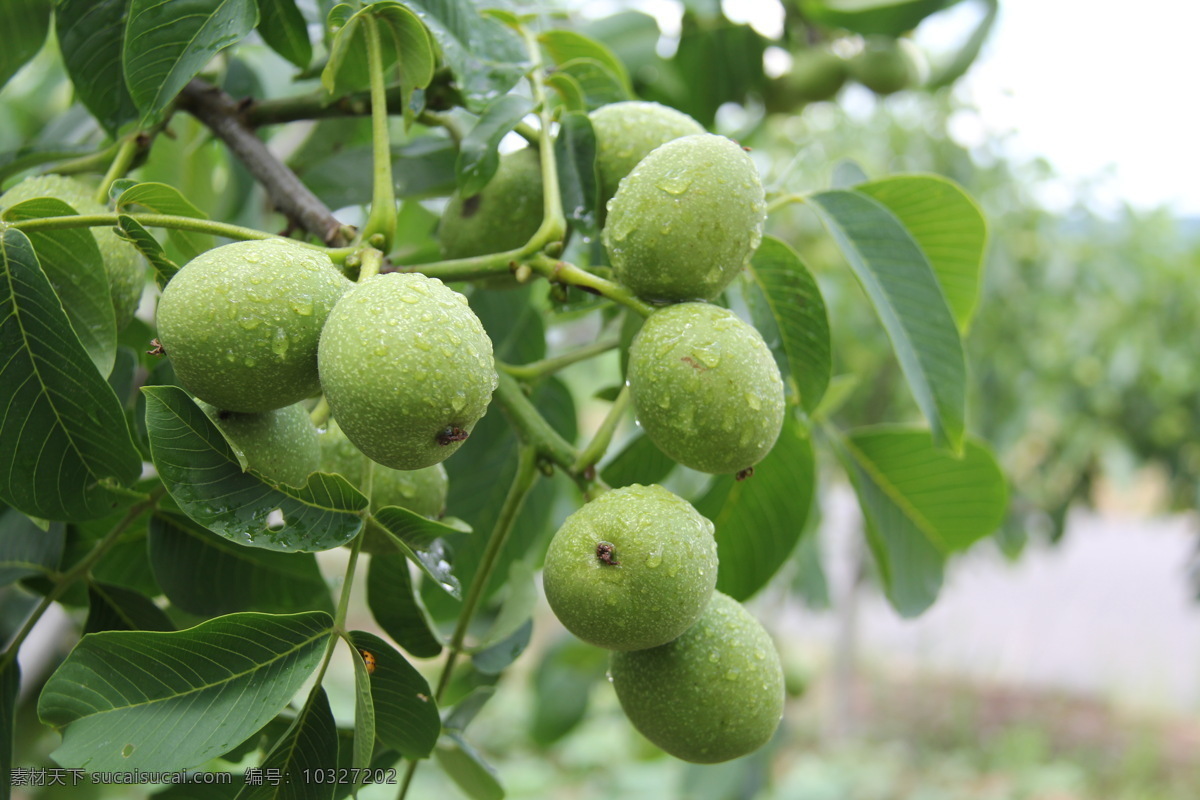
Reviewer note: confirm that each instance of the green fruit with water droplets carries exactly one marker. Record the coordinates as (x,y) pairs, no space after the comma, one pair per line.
(503,215)
(705,387)
(241,322)
(407,369)
(123,264)
(686,220)
(280,445)
(627,132)
(633,568)
(714,694)
(422,490)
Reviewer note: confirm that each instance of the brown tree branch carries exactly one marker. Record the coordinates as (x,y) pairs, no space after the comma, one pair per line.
(223,116)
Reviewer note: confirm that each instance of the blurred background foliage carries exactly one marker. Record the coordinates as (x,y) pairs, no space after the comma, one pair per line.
(1083,352)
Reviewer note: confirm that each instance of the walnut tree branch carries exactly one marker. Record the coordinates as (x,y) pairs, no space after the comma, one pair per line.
(222,115)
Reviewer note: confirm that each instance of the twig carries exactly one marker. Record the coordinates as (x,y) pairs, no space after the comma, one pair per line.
(222,115)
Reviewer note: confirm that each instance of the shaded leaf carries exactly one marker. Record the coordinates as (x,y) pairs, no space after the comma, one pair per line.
(202,473)
(569,91)
(208,575)
(14,162)
(25,24)
(515,611)
(71,260)
(885,17)
(902,287)
(575,153)
(167,44)
(497,657)
(760,519)
(364,713)
(789,310)
(640,461)
(947,226)
(64,435)
(478,158)
(969,52)
(474,776)
(117,608)
(920,504)
(160,198)
(413,529)
(309,745)
(10,687)
(406,717)
(283,28)
(91,38)
(26,549)
(167,701)
(562,686)
(132,231)
(466,709)
(430,556)
(397,609)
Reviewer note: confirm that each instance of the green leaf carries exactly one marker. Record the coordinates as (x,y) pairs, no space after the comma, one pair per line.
(759,519)
(411,528)
(788,305)
(364,713)
(14,162)
(202,473)
(427,553)
(91,38)
(404,45)
(160,198)
(599,84)
(397,609)
(569,91)
(575,153)
(477,157)
(562,685)
(283,28)
(10,688)
(904,290)
(132,231)
(406,718)
(26,549)
(309,745)
(466,709)
(474,776)
(64,435)
(168,701)
(969,52)
(72,262)
(640,461)
(885,17)
(25,23)
(515,610)
(920,505)
(486,57)
(495,658)
(565,46)
(117,608)
(208,575)
(167,44)
(947,226)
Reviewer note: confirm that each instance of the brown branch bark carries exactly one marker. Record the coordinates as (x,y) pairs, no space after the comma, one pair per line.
(223,116)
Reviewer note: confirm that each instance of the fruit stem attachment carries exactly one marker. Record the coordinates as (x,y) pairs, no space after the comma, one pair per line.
(548,366)
(598,446)
(80,570)
(783,201)
(532,428)
(554,222)
(320,413)
(118,167)
(372,261)
(566,273)
(382,220)
(517,492)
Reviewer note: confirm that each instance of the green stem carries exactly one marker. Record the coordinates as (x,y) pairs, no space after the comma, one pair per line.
(532,428)
(444,121)
(382,221)
(80,570)
(598,446)
(554,222)
(320,413)
(92,162)
(343,606)
(521,484)
(783,201)
(118,167)
(372,261)
(548,366)
(571,275)
(529,133)
(470,269)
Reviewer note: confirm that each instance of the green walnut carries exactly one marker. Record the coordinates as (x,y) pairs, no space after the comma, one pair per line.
(504,215)
(884,66)
(626,132)
(422,491)
(816,74)
(122,262)
(241,322)
(713,694)
(686,220)
(633,568)
(407,369)
(280,445)
(705,387)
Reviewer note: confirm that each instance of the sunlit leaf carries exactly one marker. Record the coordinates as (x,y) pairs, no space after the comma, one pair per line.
(159,198)
(567,45)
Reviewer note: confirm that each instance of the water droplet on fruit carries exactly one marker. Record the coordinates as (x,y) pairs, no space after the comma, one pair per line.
(280,343)
(732,675)
(714,656)
(654,559)
(249,323)
(753,401)
(675,184)
(303,307)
